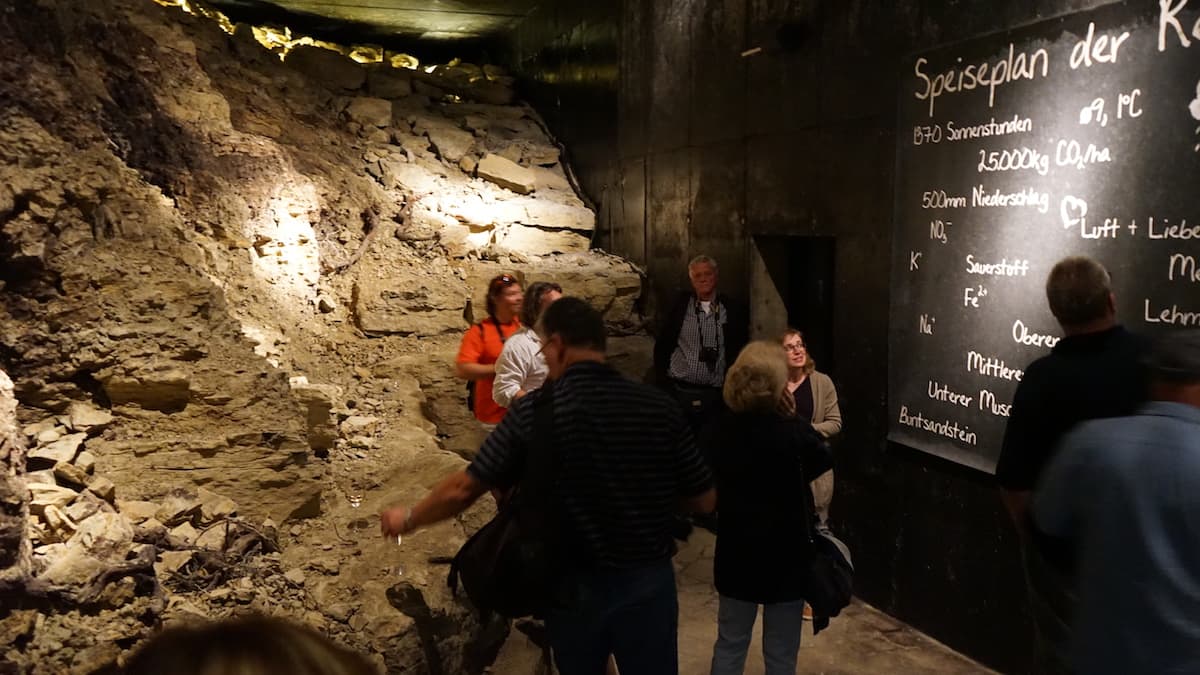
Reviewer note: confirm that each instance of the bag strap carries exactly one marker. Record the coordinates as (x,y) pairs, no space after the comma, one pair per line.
(541,462)
(499,332)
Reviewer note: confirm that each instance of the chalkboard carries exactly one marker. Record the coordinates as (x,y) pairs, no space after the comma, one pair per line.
(1076,135)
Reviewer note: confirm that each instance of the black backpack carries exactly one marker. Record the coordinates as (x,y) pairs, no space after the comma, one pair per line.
(511,566)
(471,383)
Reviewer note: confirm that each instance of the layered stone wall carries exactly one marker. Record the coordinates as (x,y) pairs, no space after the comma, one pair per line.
(231,291)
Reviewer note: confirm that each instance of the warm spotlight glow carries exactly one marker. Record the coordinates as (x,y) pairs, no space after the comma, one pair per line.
(273,39)
(286,255)
(281,41)
(404,61)
(197,9)
(479,239)
(366,54)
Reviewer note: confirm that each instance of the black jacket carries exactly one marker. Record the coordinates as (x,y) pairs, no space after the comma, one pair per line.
(762,464)
(736,332)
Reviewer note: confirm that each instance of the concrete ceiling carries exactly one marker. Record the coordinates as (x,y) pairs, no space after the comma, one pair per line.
(445,21)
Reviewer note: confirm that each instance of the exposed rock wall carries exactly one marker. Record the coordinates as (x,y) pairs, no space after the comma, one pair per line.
(14,496)
(231,291)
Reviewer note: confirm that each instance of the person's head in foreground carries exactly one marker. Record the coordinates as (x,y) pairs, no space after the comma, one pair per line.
(570,331)
(256,645)
(756,380)
(1174,365)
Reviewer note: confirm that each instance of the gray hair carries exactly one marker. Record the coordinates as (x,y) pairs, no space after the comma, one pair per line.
(703,260)
(756,379)
(1078,290)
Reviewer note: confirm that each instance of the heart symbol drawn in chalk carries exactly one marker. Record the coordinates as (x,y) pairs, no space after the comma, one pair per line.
(1072,210)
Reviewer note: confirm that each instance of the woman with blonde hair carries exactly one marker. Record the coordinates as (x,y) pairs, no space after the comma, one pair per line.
(761,459)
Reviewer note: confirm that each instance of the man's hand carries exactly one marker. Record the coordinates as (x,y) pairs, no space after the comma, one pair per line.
(448,498)
(395,521)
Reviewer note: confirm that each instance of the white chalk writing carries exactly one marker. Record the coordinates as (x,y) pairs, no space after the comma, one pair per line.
(1168,17)
(972,294)
(941,392)
(1098,49)
(938,199)
(1022,336)
(1027,197)
(937,230)
(1024,65)
(1186,265)
(1004,268)
(1017,125)
(1072,153)
(1167,231)
(925,324)
(946,428)
(988,402)
(1127,106)
(991,367)
(1172,315)
(1016,159)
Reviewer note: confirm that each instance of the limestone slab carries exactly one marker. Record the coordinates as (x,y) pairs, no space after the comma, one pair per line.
(506,174)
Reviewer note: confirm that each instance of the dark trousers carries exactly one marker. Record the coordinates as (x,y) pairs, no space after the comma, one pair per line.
(700,404)
(631,614)
(1052,602)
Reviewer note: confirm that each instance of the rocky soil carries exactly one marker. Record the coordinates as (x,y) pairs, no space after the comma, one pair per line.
(231,290)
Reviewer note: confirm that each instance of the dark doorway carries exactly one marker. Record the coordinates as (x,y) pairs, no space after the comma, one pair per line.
(800,272)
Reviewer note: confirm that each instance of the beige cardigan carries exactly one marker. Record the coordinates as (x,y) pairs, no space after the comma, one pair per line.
(827,421)
(827,416)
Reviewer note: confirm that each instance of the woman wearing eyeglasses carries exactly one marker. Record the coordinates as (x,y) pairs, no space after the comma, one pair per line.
(814,398)
(812,391)
(482,344)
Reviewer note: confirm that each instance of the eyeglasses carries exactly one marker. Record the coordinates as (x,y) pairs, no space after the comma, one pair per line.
(794,348)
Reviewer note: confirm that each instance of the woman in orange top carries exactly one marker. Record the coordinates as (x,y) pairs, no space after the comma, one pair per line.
(481,346)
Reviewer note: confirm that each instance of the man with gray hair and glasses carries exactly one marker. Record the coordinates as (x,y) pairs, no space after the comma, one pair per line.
(1094,371)
(701,333)
(1124,493)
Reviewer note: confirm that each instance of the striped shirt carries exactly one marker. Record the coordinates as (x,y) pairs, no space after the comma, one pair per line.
(625,459)
(703,326)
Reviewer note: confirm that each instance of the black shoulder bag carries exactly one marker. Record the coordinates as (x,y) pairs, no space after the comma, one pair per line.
(471,383)
(510,566)
(829,579)
(829,583)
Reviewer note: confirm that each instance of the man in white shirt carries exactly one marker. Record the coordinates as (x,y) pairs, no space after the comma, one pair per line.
(521,368)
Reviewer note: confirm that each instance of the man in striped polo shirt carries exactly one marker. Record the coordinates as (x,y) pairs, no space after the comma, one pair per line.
(626,462)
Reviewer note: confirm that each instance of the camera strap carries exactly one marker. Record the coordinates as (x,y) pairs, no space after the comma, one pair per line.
(715,308)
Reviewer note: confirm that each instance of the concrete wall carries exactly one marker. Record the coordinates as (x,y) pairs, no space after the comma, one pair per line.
(694,148)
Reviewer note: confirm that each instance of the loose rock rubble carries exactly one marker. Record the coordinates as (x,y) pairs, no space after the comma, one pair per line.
(231,291)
